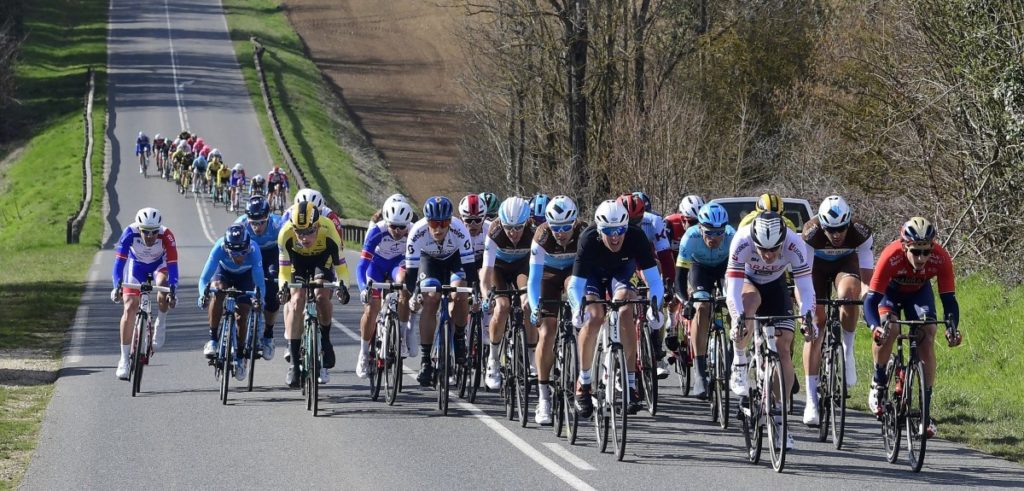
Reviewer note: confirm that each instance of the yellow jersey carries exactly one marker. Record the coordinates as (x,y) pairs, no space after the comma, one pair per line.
(326,253)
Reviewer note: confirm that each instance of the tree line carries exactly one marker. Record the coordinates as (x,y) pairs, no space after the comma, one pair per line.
(12,30)
(906,107)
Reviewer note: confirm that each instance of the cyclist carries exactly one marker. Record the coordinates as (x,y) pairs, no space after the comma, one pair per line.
(538,206)
(160,149)
(213,167)
(277,183)
(506,266)
(676,226)
(902,283)
(146,248)
(758,258)
(237,181)
(473,211)
(379,214)
(440,247)
(841,247)
(235,261)
(309,246)
(257,186)
(264,228)
(199,165)
(142,147)
(768,202)
(381,260)
(223,176)
(653,226)
(608,254)
(700,267)
(206,151)
(492,204)
(552,253)
(314,196)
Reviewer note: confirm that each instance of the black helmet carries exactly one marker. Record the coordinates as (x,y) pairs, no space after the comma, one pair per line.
(236,239)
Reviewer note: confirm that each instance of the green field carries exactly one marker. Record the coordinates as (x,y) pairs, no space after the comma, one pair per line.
(302,102)
(43,277)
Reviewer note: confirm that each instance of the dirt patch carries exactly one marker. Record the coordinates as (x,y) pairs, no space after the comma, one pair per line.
(20,367)
(396,64)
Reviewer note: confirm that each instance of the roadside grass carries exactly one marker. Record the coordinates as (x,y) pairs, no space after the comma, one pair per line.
(43,277)
(976,400)
(308,119)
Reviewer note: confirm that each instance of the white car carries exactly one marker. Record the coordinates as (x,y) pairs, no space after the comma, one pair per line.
(796,209)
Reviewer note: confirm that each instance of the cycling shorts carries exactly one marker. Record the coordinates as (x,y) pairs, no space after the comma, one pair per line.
(507,275)
(825,273)
(137,272)
(434,271)
(552,284)
(605,282)
(915,306)
(704,278)
(381,270)
(775,300)
(240,281)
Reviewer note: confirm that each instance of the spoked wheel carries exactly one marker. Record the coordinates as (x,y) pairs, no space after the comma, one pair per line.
(684,362)
(892,424)
(469,370)
(825,370)
(444,364)
(394,358)
(720,386)
(751,417)
(507,391)
(375,365)
(522,377)
(570,370)
(917,420)
(777,424)
(135,364)
(602,419)
(619,404)
(255,322)
(648,372)
(229,362)
(837,392)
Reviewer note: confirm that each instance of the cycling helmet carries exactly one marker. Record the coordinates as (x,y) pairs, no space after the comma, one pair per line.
(397,197)
(561,210)
(158,137)
(257,208)
(438,208)
(258,178)
(769,202)
(236,239)
(690,206)
(492,204)
(148,219)
(311,195)
(646,199)
(834,212)
(917,229)
(634,206)
(514,211)
(538,204)
(238,166)
(397,213)
(142,136)
(767,230)
(277,168)
(472,206)
(304,215)
(184,147)
(713,215)
(611,213)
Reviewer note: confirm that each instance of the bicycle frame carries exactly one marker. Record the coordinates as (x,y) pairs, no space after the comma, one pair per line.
(311,340)
(142,333)
(444,343)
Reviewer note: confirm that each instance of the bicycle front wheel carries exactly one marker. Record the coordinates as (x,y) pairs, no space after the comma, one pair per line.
(777,401)
(601,416)
(837,395)
(917,420)
(824,395)
(522,369)
(891,418)
(443,366)
(394,370)
(227,328)
(136,363)
(476,358)
(376,362)
(720,390)
(315,363)
(253,343)
(648,370)
(570,370)
(619,403)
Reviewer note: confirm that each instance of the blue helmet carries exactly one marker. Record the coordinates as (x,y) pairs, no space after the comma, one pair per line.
(257,208)
(438,208)
(538,204)
(646,199)
(236,239)
(713,215)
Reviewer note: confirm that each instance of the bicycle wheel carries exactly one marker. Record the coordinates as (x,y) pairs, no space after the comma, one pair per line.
(315,363)
(569,375)
(443,366)
(601,416)
(721,370)
(778,400)
(226,355)
(619,404)
(252,342)
(837,392)
(522,376)
(376,362)
(506,359)
(556,387)
(891,419)
(825,387)
(136,362)
(917,419)
(394,370)
(476,358)
(648,371)
(684,363)
(750,417)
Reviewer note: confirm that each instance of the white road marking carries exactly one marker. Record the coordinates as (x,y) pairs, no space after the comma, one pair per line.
(182,116)
(203,223)
(569,457)
(77,335)
(524,447)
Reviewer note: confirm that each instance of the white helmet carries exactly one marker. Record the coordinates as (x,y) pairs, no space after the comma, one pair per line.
(690,206)
(148,219)
(767,230)
(215,151)
(238,166)
(397,197)
(311,195)
(611,213)
(834,212)
(514,211)
(561,210)
(397,213)
(158,137)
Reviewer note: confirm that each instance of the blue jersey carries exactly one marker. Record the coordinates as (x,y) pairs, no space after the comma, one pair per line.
(199,164)
(142,145)
(692,248)
(220,259)
(380,248)
(267,241)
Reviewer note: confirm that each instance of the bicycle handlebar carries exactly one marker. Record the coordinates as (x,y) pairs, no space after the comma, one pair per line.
(234,292)
(313,284)
(146,287)
(509,291)
(387,286)
(839,301)
(615,303)
(772,318)
(446,289)
(718,299)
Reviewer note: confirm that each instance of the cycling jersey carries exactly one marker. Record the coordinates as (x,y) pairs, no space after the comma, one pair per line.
(675,227)
(895,278)
(325,212)
(596,266)
(456,243)
(267,241)
(499,247)
(134,260)
(199,164)
(237,178)
(206,151)
(380,250)
(142,145)
(220,261)
(160,145)
(745,222)
(746,263)
(278,177)
(693,249)
(257,188)
(213,168)
(324,255)
(223,174)
(858,240)
(548,259)
(653,226)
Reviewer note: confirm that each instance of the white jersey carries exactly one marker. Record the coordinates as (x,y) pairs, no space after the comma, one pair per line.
(383,244)
(421,243)
(480,239)
(654,228)
(746,263)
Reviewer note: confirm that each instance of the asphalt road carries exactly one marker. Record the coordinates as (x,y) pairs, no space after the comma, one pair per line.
(178,435)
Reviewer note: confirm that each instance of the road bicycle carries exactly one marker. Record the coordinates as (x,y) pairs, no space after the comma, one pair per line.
(611,378)
(515,359)
(832,388)
(765,407)
(142,333)
(144,163)
(228,354)
(471,371)
(564,372)
(905,410)
(646,361)
(719,359)
(311,355)
(385,357)
(443,351)
(253,350)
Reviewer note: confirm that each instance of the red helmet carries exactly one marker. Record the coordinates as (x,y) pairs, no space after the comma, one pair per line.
(472,206)
(634,205)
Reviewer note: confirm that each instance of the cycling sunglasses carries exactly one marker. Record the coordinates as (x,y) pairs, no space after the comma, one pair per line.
(473,220)
(713,232)
(237,253)
(561,229)
(836,230)
(255,223)
(306,232)
(395,226)
(612,231)
(149,232)
(773,249)
(438,223)
(921,252)
(513,228)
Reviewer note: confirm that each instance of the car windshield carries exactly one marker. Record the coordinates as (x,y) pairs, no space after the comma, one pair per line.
(739,209)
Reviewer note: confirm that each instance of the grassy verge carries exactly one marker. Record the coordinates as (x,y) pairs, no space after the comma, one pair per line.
(976,400)
(43,277)
(311,127)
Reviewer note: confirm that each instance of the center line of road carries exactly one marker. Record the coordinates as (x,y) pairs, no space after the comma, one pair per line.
(524,447)
(182,117)
(569,457)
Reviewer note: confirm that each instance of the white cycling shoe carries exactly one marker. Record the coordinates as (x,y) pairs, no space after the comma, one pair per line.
(362,365)
(240,369)
(543,412)
(811,415)
(493,379)
(325,377)
(210,349)
(122,369)
(267,346)
(738,380)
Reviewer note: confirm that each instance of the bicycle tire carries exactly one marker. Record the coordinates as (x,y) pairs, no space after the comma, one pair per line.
(601,418)
(750,420)
(619,407)
(317,346)
(394,371)
(375,363)
(684,365)
(307,359)
(648,371)
(253,343)
(838,392)
(476,353)
(917,418)
(722,393)
(504,359)
(135,364)
(776,384)
(522,376)
(441,375)
(225,337)
(891,419)
(825,387)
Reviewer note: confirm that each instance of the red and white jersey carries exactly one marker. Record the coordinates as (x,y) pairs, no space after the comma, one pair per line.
(132,246)
(746,263)
(894,270)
